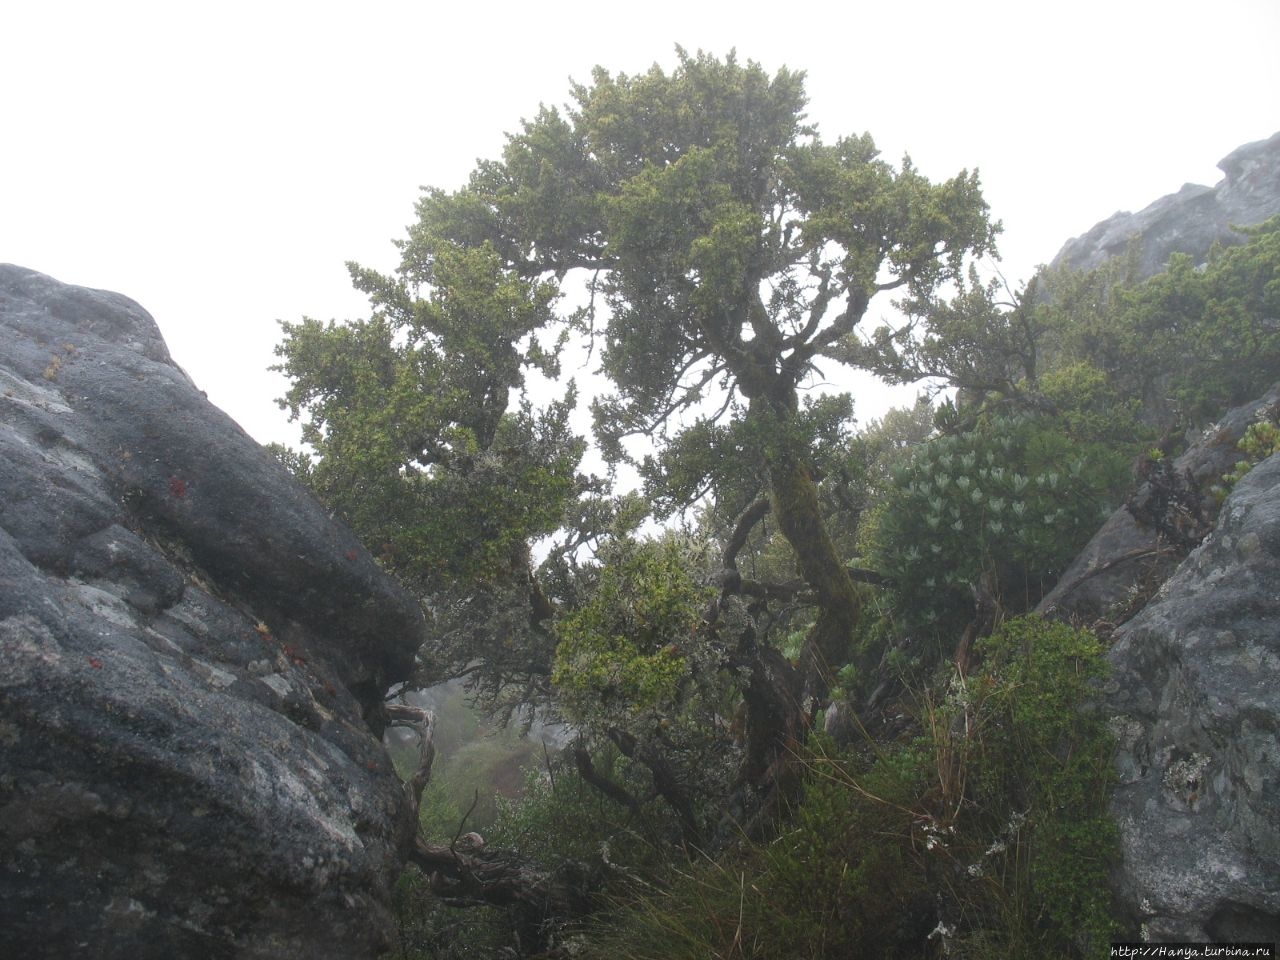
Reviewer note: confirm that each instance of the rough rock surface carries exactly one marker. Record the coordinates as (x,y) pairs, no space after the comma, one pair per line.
(1196,704)
(1126,561)
(192,660)
(1191,220)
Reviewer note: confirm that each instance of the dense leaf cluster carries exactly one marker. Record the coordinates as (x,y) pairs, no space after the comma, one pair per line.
(1005,506)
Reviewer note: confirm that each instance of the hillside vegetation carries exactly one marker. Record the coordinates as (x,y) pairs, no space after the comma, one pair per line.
(811,715)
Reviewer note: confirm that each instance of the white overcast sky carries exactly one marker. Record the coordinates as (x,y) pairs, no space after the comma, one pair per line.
(219,162)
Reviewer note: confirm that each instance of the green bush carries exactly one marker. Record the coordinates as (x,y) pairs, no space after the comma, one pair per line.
(622,656)
(1183,346)
(561,817)
(430,930)
(984,834)
(1006,505)
(1038,783)
(840,880)
(1260,441)
(1092,407)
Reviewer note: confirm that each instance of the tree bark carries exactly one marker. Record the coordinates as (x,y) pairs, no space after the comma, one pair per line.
(587,770)
(773,717)
(422,722)
(795,503)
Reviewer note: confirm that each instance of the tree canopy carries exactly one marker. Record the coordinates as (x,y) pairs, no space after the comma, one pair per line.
(727,250)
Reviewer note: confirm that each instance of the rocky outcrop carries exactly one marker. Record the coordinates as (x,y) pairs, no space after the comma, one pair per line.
(1193,695)
(1191,220)
(192,662)
(1128,559)
(1196,708)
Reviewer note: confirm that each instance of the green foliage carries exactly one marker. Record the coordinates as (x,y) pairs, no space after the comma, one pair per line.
(1093,407)
(1221,317)
(860,475)
(1260,441)
(726,248)
(1005,505)
(985,835)
(727,251)
(844,871)
(975,341)
(730,459)
(625,652)
(840,881)
(560,817)
(1045,759)
(422,447)
(416,446)
(1117,358)
(639,671)
(428,930)
(1186,344)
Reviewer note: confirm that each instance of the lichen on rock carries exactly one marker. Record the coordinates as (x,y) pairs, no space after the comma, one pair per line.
(193,657)
(1194,689)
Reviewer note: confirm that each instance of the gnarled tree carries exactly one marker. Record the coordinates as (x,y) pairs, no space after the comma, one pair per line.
(727,251)
(721,251)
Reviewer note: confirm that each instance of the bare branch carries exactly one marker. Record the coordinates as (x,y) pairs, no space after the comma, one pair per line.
(873,577)
(587,770)
(746,523)
(423,722)
(858,301)
(665,782)
(654,423)
(817,310)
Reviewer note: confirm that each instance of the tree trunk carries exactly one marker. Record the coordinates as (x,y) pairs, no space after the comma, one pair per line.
(795,503)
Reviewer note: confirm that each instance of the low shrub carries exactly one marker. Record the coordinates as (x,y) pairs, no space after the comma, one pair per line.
(984,834)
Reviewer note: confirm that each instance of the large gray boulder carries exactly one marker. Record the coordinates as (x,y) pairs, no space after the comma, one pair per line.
(1128,559)
(193,656)
(1191,220)
(1195,696)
